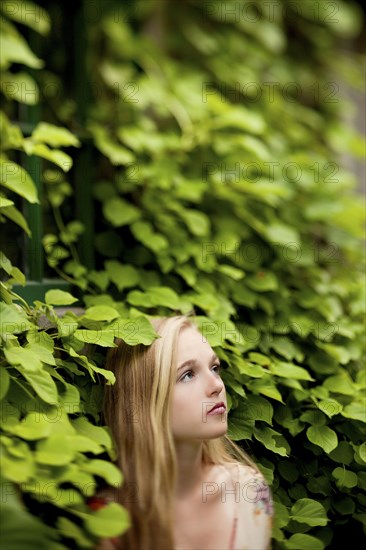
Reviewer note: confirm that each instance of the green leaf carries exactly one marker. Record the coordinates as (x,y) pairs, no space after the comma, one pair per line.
(45,354)
(26,358)
(288,370)
(283,346)
(42,383)
(259,358)
(95,433)
(27,13)
(288,471)
(104,469)
(33,426)
(280,233)
(164,296)
(137,330)
(272,440)
(102,337)
(362,452)
(5,294)
(109,521)
(266,387)
(257,408)
(330,407)
(155,296)
(101,313)
(17,276)
(13,319)
(116,153)
(15,49)
(302,541)
(119,212)
(240,427)
(69,529)
(5,202)
(315,418)
(66,327)
(242,118)
(345,506)
(42,338)
(91,368)
(340,383)
(324,437)
(19,87)
(33,534)
(144,232)
(17,217)
(17,466)
(56,136)
(230,271)
(340,353)
(309,511)
(123,276)
(356,411)
(59,298)
(59,158)
(99,278)
(345,478)
(262,281)
(210,330)
(56,450)
(197,222)
(281,515)
(319,485)
(244,296)
(4,382)
(343,453)
(15,178)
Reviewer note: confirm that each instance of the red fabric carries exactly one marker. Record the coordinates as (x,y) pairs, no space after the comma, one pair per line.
(95,503)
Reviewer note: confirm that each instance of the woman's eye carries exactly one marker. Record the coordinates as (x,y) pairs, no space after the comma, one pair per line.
(185,374)
(217,367)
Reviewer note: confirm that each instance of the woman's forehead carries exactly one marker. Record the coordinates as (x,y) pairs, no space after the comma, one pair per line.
(192,343)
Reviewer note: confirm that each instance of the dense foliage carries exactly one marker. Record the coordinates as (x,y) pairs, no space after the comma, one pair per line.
(217,187)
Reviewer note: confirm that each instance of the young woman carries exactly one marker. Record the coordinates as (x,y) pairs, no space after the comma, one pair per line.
(187,485)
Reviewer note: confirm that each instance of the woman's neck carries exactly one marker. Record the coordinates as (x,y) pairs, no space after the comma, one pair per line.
(191,469)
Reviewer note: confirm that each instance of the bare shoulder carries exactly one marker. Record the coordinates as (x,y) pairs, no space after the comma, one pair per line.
(242,473)
(254,507)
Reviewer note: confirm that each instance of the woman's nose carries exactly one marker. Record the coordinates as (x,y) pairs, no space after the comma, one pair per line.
(215,384)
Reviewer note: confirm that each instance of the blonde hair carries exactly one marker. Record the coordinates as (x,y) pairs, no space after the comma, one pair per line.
(136,410)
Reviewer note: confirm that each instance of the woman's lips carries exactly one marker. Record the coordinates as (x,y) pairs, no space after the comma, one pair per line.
(218,410)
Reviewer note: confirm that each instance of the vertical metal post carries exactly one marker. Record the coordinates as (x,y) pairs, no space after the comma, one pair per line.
(34,260)
(83,159)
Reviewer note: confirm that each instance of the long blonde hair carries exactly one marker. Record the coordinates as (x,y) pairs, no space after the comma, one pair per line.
(136,409)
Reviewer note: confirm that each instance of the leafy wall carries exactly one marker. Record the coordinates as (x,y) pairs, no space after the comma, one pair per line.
(216,186)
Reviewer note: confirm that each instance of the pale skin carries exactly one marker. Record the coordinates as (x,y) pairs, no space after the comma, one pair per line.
(202,518)
(197,389)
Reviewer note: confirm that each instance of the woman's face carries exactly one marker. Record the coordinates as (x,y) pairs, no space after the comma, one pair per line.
(197,389)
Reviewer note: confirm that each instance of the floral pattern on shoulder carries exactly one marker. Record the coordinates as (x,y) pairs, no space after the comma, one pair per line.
(255,490)
(264,501)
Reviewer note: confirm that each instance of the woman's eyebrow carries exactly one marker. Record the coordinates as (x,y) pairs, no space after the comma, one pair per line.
(194,362)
